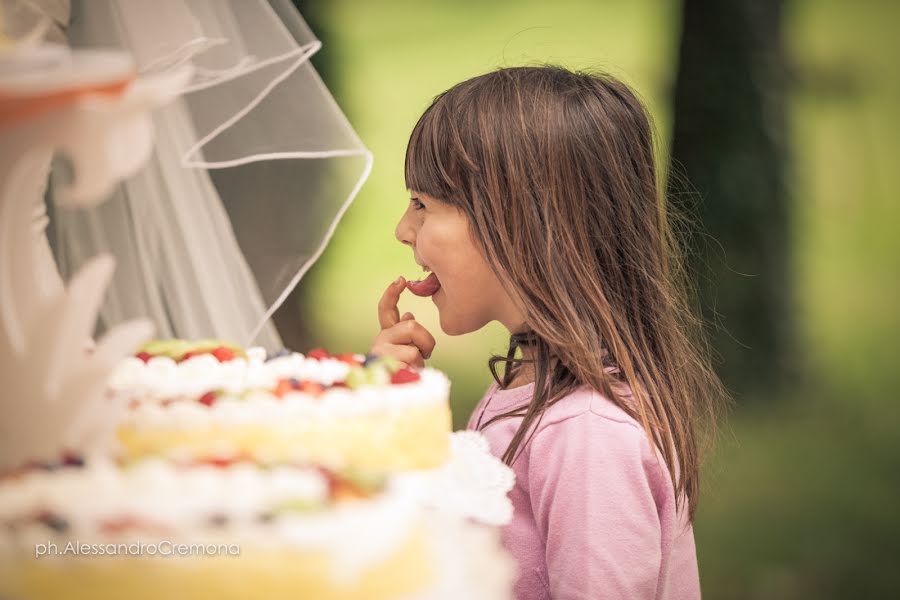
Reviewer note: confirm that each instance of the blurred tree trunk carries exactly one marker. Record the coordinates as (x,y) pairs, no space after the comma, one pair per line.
(291,318)
(730,143)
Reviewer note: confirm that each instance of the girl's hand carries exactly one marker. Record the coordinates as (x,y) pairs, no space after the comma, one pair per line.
(401,337)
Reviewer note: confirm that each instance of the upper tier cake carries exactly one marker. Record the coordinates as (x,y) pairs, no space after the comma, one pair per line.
(210,400)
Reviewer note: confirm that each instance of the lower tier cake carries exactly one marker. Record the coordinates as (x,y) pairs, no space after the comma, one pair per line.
(153,530)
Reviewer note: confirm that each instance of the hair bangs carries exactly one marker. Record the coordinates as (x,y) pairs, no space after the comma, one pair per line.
(430,156)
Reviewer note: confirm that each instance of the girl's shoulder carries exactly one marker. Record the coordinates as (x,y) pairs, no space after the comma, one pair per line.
(583,407)
(589,403)
(586,426)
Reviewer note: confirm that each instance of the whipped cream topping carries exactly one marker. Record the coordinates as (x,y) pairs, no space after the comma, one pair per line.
(164,392)
(163,378)
(263,408)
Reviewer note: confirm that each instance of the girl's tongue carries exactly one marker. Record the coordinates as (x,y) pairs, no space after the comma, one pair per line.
(426,287)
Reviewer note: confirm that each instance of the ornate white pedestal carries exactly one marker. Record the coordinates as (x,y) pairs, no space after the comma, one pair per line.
(90,107)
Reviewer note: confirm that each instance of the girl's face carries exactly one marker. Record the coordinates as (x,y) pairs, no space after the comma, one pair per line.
(470,295)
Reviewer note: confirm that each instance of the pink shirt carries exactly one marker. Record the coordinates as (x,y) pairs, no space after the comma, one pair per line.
(594,509)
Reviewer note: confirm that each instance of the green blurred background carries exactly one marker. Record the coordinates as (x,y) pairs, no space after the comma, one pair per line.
(801,492)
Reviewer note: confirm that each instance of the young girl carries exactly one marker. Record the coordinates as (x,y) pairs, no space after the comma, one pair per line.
(535,202)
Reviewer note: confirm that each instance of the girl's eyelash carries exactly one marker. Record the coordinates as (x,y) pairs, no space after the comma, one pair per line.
(417,204)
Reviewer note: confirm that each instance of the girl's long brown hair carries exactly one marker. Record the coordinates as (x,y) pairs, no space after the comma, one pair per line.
(555,171)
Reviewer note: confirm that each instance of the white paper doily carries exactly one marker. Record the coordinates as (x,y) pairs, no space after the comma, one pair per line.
(472,484)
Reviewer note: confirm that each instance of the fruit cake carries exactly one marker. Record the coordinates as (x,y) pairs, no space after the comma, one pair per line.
(212,400)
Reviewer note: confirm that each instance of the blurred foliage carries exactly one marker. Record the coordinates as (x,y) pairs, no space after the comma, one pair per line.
(801,495)
(729,170)
(801,491)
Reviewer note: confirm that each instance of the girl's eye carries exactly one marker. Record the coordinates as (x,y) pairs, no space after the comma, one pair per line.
(416,204)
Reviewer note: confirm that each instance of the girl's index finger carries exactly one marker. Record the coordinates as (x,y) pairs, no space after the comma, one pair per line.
(388,313)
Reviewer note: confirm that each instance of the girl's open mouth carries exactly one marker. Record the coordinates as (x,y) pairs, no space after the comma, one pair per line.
(424,287)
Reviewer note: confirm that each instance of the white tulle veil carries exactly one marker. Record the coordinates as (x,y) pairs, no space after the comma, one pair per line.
(253,168)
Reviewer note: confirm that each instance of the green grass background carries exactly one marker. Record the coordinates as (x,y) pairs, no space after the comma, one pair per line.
(801,495)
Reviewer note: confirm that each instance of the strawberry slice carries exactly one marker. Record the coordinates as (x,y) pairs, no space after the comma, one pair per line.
(121,525)
(338,487)
(318,354)
(223,353)
(283,387)
(208,399)
(312,388)
(144,356)
(350,358)
(405,375)
(189,354)
(219,461)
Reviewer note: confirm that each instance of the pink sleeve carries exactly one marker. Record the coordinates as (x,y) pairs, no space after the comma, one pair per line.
(594,484)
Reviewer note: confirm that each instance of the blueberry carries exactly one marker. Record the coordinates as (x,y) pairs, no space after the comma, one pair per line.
(73,460)
(218,520)
(54,522)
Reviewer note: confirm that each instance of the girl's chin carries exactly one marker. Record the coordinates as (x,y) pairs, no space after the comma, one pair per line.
(452,330)
(451,324)
(448,323)
(437,298)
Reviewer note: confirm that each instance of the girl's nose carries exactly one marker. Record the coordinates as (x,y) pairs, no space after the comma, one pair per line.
(404,232)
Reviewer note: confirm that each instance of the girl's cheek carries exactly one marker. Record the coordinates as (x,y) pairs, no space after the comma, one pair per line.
(427,245)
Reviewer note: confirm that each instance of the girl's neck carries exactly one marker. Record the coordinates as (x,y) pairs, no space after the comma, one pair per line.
(523,376)
(525,373)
